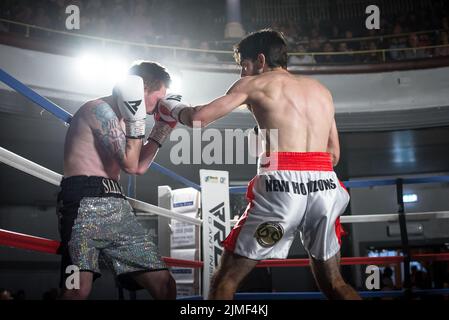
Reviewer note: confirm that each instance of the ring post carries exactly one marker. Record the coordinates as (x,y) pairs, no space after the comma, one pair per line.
(216,220)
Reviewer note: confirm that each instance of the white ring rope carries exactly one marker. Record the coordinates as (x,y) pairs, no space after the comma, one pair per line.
(54,178)
(391,217)
(144,208)
(29,167)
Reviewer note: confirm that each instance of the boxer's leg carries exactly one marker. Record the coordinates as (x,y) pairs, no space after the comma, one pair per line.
(86,279)
(230,273)
(330,281)
(160,284)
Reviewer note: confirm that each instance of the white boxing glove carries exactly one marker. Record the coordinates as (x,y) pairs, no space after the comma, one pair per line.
(131,103)
(170,108)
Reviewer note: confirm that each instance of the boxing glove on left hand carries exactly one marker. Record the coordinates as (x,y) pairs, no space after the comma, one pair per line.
(131,103)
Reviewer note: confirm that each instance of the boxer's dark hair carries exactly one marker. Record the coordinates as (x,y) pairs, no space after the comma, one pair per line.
(152,73)
(267,41)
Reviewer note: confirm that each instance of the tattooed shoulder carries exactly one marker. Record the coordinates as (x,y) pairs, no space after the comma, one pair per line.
(108,130)
(105,115)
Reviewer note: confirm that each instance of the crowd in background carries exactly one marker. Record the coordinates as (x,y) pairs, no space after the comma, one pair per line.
(200,24)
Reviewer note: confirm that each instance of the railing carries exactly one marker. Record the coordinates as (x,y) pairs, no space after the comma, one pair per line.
(227,54)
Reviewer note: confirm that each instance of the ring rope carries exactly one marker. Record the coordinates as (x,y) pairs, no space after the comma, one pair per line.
(24,241)
(54,178)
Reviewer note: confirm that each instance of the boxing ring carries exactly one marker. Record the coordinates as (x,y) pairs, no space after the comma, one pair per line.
(49,246)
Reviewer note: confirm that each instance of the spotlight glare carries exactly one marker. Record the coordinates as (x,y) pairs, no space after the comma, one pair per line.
(176,84)
(89,65)
(115,69)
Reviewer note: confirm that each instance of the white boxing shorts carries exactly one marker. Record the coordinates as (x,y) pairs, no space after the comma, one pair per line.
(293,192)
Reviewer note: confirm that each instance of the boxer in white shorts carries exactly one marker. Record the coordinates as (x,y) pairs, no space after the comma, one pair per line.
(300,193)
(296,189)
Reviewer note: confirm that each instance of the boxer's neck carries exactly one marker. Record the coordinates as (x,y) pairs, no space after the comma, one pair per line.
(268,69)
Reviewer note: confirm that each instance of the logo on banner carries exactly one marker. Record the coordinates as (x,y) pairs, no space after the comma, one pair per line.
(217,234)
(211,179)
(269,233)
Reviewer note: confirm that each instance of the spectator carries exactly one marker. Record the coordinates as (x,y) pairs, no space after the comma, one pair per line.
(314,45)
(327,47)
(205,56)
(184,55)
(350,43)
(132,20)
(443,40)
(372,57)
(301,59)
(413,42)
(344,58)
(397,43)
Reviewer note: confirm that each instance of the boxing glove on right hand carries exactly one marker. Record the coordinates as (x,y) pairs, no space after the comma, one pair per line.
(131,103)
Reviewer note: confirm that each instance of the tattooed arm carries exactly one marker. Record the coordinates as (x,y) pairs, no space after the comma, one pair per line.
(110,135)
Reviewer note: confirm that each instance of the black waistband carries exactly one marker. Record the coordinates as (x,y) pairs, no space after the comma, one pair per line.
(91,186)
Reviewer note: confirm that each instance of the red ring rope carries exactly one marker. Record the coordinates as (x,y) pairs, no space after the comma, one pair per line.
(24,241)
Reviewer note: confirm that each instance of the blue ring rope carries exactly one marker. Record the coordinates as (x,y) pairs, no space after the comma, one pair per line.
(35,97)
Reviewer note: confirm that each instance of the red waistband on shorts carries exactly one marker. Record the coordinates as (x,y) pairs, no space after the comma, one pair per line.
(296,161)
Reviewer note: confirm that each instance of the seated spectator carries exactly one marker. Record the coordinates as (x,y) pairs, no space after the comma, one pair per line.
(397,43)
(413,42)
(372,57)
(301,59)
(327,47)
(314,45)
(184,55)
(352,45)
(344,58)
(205,56)
(443,40)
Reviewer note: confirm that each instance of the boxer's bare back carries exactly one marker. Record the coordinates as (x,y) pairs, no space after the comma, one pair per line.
(300,108)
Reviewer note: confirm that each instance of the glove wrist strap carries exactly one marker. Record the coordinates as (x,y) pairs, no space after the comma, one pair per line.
(135,129)
(160,132)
